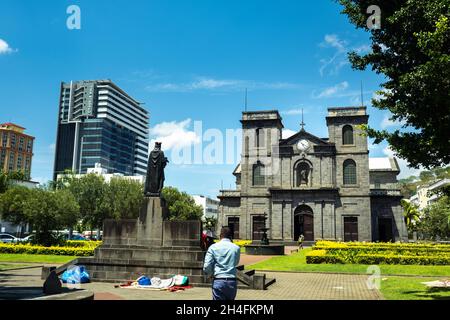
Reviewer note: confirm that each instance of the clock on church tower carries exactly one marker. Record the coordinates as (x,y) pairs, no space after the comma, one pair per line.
(303,145)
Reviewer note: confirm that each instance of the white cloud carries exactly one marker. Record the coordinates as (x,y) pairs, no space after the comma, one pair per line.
(339,59)
(286,133)
(335,62)
(174,135)
(405,170)
(379,94)
(293,112)
(211,84)
(332,40)
(387,122)
(332,91)
(364,48)
(355,100)
(5,48)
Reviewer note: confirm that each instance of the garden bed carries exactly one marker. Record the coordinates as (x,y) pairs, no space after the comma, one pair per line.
(70,248)
(379,253)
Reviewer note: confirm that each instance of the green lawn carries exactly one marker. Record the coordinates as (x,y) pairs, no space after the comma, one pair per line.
(408,288)
(35,258)
(297,262)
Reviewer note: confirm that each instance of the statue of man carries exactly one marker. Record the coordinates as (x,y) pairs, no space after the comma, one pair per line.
(303,174)
(155,171)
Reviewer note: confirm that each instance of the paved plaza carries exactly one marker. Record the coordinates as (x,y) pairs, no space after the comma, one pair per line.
(289,286)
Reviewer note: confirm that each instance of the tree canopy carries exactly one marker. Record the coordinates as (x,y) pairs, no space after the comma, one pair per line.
(85,202)
(409,185)
(124,198)
(181,205)
(435,221)
(411,48)
(7,177)
(46,211)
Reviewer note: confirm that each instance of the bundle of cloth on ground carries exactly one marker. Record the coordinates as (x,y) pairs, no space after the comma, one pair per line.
(177,282)
(75,275)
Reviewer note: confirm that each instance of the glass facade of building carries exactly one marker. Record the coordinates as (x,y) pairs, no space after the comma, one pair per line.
(103,141)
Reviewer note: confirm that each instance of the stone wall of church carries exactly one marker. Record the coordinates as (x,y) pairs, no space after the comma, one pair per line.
(358,206)
(335,126)
(327,196)
(361,188)
(383,180)
(320,176)
(388,207)
(283,209)
(253,206)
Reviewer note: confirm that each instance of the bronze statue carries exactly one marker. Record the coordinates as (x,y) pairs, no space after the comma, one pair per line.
(154,181)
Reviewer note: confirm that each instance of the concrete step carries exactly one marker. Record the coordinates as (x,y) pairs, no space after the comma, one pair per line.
(142,253)
(174,248)
(269,282)
(249,272)
(253,280)
(172,263)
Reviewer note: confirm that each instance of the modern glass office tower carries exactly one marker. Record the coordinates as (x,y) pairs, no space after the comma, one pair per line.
(99,123)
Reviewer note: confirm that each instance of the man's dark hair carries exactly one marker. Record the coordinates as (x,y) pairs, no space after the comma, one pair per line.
(226,233)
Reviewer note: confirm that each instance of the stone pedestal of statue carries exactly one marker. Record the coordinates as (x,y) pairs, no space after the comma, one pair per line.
(150,223)
(150,245)
(153,246)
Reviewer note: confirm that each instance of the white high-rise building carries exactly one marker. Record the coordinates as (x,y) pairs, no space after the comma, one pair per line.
(209,205)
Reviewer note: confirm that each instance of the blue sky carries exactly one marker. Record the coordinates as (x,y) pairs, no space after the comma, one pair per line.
(187,61)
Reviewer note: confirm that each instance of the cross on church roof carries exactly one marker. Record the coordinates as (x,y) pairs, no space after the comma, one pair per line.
(302,124)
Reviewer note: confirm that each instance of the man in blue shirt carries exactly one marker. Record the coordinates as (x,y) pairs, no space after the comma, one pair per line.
(221,261)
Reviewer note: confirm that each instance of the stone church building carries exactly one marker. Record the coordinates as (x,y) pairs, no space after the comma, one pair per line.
(323,188)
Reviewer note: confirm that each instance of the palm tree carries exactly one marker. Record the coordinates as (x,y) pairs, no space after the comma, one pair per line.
(410,212)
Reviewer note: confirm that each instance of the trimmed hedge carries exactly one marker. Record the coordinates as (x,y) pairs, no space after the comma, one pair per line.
(240,243)
(378,259)
(380,245)
(400,259)
(33,249)
(402,251)
(82,244)
(379,253)
(320,256)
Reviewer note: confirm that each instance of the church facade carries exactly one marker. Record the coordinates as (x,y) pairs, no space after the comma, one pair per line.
(321,188)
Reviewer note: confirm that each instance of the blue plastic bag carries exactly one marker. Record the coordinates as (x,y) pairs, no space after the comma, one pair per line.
(144,281)
(75,275)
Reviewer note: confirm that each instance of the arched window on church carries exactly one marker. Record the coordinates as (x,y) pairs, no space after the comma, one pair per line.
(349,171)
(258,174)
(347,134)
(303,171)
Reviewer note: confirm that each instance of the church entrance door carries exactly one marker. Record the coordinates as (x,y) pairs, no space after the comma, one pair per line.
(304,223)
(385,229)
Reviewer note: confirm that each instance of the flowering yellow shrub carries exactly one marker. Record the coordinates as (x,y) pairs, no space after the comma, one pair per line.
(54,250)
(240,243)
(393,245)
(378,253)
(82,244)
